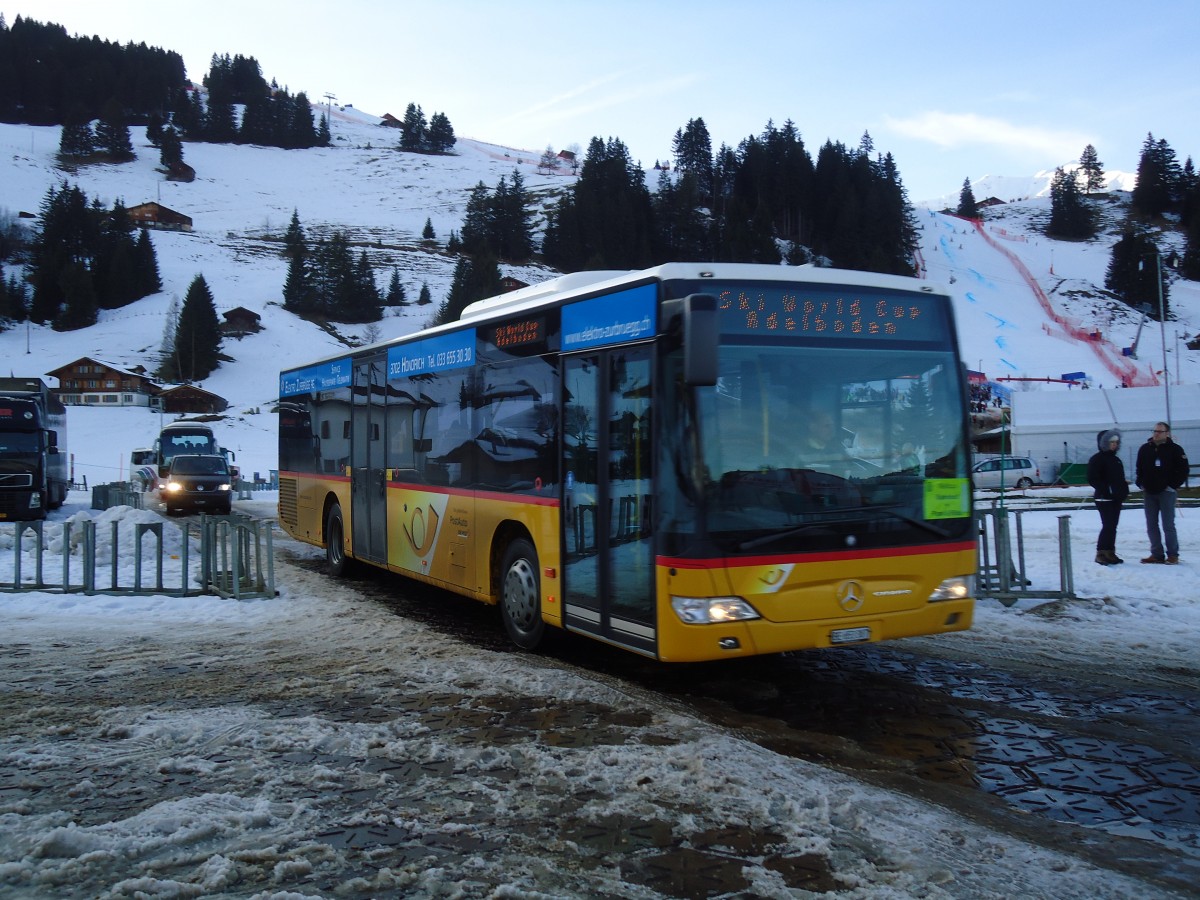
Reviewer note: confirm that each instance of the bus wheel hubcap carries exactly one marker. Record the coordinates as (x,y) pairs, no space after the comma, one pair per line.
(519,596)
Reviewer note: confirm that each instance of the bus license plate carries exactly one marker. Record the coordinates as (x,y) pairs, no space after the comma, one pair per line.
(849,635)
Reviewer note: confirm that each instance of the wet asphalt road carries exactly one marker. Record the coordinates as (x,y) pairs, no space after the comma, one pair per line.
(1109,771)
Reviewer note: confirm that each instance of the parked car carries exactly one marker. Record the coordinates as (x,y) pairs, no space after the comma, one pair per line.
(198,482)
(1015,471)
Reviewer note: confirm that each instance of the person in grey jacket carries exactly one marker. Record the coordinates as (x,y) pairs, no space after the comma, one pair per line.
(1106,475)
(1162,468)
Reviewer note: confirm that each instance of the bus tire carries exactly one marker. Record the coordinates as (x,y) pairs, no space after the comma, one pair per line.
(521,595)
(335,550)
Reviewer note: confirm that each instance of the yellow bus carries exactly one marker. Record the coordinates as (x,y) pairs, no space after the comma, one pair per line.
(692,462)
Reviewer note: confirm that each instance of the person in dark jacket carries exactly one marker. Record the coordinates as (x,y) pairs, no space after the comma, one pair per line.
(1162,468)
(1106,475)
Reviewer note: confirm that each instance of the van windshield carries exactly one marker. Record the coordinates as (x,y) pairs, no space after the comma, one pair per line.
(199,465)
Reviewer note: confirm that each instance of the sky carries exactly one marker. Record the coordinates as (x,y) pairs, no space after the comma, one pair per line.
(956,92)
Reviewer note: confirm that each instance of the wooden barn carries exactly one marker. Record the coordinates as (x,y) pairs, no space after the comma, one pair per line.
(187,398)
(155,215)
(240,322)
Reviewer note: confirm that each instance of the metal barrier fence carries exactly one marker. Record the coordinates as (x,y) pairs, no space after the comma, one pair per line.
(237,560)
(1000,546)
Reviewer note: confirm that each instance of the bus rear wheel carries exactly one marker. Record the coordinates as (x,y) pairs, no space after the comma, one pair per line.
(335,550)
(521,595)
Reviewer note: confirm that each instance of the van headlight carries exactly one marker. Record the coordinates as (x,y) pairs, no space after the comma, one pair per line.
(712,610)
(960,587)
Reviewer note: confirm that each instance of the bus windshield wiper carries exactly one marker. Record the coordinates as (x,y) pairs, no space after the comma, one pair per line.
(789,532)
(920,523)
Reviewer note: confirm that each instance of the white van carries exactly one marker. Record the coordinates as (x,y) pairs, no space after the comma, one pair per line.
(1015,471)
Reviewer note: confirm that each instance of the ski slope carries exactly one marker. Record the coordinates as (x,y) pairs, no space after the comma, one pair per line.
(1032,308)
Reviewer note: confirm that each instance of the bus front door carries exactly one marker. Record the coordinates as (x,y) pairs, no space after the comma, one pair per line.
(368,477)
(608,572)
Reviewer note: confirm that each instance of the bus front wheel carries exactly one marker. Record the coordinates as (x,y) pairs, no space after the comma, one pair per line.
(521,595)
(335,550)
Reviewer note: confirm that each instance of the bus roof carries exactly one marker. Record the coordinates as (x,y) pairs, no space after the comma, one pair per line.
(564,288)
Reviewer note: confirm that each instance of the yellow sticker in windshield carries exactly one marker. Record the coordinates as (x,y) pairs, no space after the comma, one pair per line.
(947,498)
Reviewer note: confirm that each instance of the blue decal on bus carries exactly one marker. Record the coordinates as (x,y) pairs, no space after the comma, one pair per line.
(323,377)
(435,354)
(611,319)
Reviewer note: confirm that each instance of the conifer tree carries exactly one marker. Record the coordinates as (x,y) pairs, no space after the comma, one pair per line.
(413,128)
(1091,169)
(198,334)
(220,125)
(966,201)
(170,148)
(477,225)
(606,219)
(475,278)
(395,292)
(300,131)
(1158,180)
(77,140)
(149,280)
(259,122)
(365,303)
(67,232)
(512,228)
(427,233)
(692,148)
(1069,217)
(1133,270)
(112,133)
(154,129)
(1189,265)
(298,294)
(424,298)
(441,134)
(115,261)
(79,298)
(167,346)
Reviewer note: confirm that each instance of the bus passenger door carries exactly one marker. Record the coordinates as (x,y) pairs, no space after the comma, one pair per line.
(368,477)
(608,553)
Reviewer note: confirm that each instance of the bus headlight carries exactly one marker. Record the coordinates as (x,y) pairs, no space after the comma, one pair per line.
(711,610)
(174,486)
(960,587)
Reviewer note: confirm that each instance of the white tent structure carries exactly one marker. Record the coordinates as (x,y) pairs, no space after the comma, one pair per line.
(1057,427)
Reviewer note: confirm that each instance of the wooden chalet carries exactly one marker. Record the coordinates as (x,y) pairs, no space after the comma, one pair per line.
(240,322)
(155,215)
(187,398)
(93,382)
(390,121)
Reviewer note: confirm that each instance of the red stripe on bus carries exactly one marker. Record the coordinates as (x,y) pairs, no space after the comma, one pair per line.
(723,562)
(527,499)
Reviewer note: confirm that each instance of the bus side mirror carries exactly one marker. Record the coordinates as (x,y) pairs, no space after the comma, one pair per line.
(51,441)
(700,331)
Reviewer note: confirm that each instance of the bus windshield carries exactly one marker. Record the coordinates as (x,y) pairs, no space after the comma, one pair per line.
(805,448)
(179,442)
